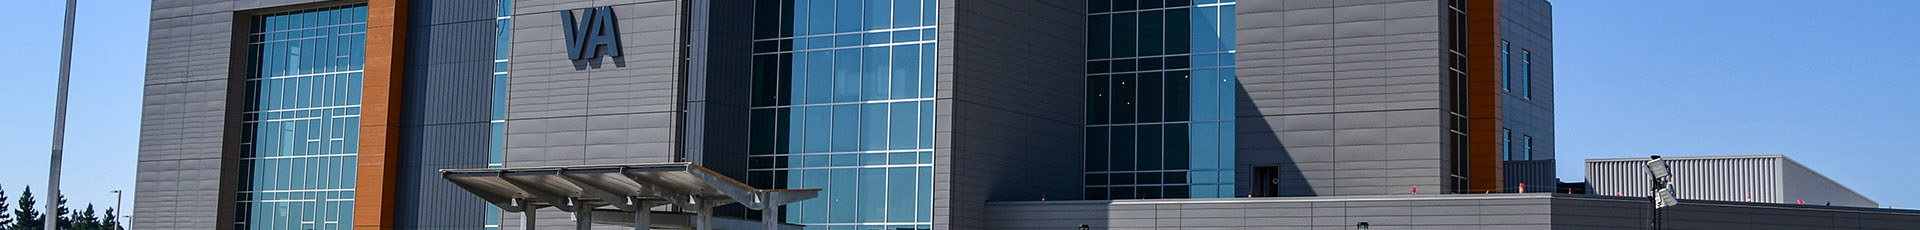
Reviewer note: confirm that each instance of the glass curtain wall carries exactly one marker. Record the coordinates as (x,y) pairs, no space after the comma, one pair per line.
(302,119)
(1160,92)
(844,100)
(502,48)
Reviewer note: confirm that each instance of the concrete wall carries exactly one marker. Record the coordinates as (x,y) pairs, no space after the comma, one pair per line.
(1010,99)
(445,111)
(1344,96)
(606,110)
(1463,211)
(189,123)
(1594,212)
(1499,211)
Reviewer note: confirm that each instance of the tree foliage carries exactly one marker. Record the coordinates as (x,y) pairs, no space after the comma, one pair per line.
(24,215)
(6,217)
(111,221)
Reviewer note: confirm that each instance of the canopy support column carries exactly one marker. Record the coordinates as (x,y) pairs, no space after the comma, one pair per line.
(770,216)
(583,219)
(642,218)
(527,217)
(704,217)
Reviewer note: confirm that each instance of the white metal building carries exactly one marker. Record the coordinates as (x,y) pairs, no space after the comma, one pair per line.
(1749,178)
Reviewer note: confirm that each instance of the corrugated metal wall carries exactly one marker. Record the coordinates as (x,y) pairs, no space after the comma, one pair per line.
(1718,178)
(446,107)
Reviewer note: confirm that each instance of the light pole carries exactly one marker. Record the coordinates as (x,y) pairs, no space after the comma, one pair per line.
(116,203)
(59,123)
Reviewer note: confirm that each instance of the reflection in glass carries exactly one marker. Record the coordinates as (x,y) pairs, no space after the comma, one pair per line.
(1161,78)
(844,102)
(301,122)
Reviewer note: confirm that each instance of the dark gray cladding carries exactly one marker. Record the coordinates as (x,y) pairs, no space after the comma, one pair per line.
(189,117)
(1343,96)
(719,83)
(1537,175)
(1528,25)
(447,100)
(1011,106)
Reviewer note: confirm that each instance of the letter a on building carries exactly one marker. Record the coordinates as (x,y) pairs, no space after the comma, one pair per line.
(590,33)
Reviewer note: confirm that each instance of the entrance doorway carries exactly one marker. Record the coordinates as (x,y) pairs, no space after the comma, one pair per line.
(1268,180)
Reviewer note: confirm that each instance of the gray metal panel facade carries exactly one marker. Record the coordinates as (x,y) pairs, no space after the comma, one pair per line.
(1801,184)
(1011,108)
(598,111)
(1528,26)
(606,110)
(186,155)
(1344,96)
(445,112)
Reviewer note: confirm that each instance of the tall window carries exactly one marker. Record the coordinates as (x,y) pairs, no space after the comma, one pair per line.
(301,122)
(1456,79)
(1506,144)
(502,48)
(1505,66)
(1528,143)
(844,100)
(1160,100)
(1526,74)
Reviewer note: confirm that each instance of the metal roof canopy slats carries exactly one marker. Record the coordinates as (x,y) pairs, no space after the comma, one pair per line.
(574,188)
(531,190)
(513,204)
(622,201)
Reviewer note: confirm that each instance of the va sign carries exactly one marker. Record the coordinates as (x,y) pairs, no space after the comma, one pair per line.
(588,34)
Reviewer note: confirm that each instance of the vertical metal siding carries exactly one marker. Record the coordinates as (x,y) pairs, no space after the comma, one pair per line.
(1724,179)
(1538,175)
(446,109)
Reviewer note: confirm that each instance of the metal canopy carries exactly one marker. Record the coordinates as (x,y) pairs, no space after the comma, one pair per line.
(632,188)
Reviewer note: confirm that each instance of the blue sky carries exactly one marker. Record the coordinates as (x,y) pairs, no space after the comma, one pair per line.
(103,107)
(1830,84)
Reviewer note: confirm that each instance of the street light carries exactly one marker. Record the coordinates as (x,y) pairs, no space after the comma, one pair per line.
(116,202)
(1662,188)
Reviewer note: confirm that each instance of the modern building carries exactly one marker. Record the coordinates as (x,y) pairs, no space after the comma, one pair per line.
(908,114)
(1752,178)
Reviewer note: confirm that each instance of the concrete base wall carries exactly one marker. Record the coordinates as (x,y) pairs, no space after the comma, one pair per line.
(1469,211)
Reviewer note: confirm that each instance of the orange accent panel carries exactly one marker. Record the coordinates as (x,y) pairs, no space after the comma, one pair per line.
(374,191)
(1483,96)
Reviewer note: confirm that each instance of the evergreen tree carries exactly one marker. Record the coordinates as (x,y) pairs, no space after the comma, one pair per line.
(6,215)
(109,222)
(62,214)
(83,220)
(25,216)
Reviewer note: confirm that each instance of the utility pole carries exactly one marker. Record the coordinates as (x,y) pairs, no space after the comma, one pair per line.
(59,123)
